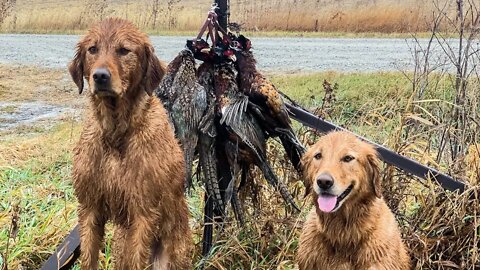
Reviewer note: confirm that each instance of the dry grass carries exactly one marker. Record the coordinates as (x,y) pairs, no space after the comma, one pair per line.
(473,164)
(442,229)
(75,16)
(26,83)
(397,18)
(356,16)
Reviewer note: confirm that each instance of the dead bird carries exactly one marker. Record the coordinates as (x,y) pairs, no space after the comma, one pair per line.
(266,103)
(244,138)
(186,101)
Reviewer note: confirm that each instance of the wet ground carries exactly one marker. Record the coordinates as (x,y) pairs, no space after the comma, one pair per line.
(17,115)
(33,99)
(273,54)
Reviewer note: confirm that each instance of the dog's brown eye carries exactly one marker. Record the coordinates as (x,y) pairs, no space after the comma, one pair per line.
(92,50)
(347,158)
(318,156)
(123,51)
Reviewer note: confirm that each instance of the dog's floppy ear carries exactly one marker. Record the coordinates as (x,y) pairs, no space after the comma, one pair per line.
(304,165)
(76,68)
(154,70)
(374,173)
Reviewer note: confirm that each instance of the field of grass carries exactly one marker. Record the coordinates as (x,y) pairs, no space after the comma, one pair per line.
(361,17)
(37,206)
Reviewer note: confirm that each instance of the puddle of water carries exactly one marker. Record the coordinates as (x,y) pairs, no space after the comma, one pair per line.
(16,114)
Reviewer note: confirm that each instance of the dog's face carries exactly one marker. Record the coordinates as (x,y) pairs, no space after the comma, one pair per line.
(115,57)
(341,168)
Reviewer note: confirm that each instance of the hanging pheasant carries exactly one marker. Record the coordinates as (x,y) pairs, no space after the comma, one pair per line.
(207,141)
(265,102)
(233,133)
(240,132)
(185,100)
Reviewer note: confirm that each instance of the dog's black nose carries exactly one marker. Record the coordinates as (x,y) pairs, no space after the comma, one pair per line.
(101,76)
(325,181)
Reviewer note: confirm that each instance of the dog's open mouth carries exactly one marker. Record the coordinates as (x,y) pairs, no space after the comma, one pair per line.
(328,203)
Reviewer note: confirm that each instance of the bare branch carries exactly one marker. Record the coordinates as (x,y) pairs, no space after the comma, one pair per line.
(6,8)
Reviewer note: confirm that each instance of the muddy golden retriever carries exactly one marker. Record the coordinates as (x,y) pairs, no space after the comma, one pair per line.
(351,226)
(128,167)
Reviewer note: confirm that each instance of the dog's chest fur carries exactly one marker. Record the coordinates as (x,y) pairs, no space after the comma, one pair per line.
(340,244)
(128,178)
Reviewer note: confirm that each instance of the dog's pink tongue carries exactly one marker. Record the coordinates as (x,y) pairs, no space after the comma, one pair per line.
(326,202)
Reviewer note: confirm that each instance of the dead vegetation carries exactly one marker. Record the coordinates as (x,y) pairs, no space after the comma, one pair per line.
(384,16)
(443,229)
(27,83)
(6,8)
(321,16)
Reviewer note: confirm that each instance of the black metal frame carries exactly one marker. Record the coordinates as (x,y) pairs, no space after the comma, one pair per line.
(223,12)
(66,254)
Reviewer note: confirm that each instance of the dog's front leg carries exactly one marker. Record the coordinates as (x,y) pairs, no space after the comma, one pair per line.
(118,246)
(139,240)
(92,230)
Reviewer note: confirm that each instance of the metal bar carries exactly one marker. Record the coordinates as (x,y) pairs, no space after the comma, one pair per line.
(387,155)
(66,254)
(223,12)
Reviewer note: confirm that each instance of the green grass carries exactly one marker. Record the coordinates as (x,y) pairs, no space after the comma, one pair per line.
(355,89)
(45,202)
(367,103)
(37,188)
(359,95)
(8,109)
(35,176)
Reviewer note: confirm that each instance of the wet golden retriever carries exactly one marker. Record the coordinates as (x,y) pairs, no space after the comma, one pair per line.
(128,167)
(351,226)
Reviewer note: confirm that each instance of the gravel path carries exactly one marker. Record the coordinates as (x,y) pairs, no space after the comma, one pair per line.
(273,54)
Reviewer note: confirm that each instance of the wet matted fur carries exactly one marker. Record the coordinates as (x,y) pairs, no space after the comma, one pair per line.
(350,225)
(128,167)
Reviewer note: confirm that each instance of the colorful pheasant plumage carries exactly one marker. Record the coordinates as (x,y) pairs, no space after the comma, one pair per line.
(267,105)
(186,101)
(243,135)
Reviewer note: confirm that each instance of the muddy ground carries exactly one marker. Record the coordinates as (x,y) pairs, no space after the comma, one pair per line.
(34,99)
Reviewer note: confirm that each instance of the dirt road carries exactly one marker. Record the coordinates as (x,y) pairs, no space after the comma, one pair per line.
(273,54)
